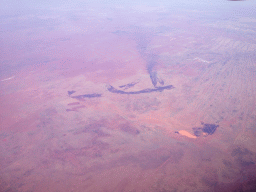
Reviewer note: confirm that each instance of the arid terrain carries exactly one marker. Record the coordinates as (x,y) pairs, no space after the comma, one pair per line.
(128,98)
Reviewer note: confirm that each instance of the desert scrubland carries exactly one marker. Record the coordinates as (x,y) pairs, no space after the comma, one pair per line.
(119,99)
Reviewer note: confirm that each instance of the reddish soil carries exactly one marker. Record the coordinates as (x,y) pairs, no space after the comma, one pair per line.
(127,142)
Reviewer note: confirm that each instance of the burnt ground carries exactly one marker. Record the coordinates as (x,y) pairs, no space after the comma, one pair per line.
(95,104)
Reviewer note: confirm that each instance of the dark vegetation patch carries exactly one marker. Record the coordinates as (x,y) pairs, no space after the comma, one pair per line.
(76,108)
(210,178)
(246,183)
(154,158)
(240,152)
(227,163)
(74,103)
(129,129)
(143,105)
(243,156)
(94,128)
(197,131)
(246,163)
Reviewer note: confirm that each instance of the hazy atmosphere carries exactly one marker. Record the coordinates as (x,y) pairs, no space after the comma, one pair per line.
(125,96)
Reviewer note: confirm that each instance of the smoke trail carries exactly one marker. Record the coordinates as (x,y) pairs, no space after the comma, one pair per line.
(150,68)
(151,59)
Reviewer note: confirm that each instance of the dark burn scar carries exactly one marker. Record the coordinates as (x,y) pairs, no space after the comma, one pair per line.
(71,92)
(127,86)
(207,128)
(157,89)
(87,96)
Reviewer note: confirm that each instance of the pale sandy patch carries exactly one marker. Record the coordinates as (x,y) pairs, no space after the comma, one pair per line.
(187,134)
